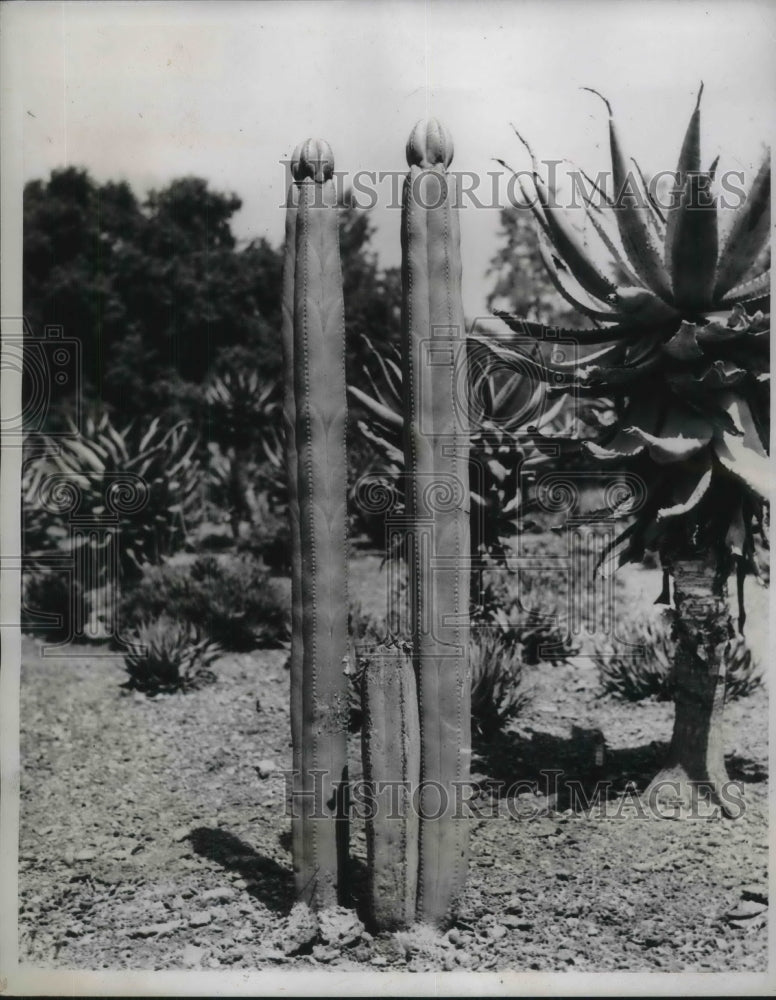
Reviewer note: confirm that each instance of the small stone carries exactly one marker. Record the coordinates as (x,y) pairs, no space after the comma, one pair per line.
(496,932)
(379,960)
(746,910)
(85,855)
(200,919)
(339,926)
(266,768)
(511,920)
(192,955)
(155,930)
(181,833)
(323,954)
(217,895)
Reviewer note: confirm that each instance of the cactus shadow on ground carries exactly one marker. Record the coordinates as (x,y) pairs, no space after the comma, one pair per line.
(267,881)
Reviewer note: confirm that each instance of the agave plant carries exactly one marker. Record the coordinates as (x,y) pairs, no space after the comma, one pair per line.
(645,670)
(166,656)
(242,412)
(500,445)
(682,346)
(145,481)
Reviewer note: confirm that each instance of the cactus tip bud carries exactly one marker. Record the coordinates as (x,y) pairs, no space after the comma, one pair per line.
(313,158)
(429,144)
(295,157)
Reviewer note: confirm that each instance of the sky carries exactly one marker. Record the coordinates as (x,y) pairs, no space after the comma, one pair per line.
(151,91)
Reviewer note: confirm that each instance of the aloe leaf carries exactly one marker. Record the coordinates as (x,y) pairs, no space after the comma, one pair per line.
(748,234)
(694,245)
(538,331)
(567,285)
(750,291)
(744,455)
(689,162)
(612,242)
(632,219)
(688,489)
(570,248)
(682,434)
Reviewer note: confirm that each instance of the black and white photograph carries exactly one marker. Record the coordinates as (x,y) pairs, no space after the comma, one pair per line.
(385,497)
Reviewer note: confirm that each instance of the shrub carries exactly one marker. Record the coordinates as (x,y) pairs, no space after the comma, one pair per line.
(169,656)
(54,593)
(234,601)
(269,539)
(498,692)
(525,628)
(646,671)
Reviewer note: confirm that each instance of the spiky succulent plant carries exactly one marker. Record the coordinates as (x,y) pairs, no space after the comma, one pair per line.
(681,344)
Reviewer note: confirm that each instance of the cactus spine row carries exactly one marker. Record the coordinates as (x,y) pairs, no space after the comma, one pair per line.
(314,418)
(436,459)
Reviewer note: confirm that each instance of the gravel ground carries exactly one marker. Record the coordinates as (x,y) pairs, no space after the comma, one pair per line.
(154,835)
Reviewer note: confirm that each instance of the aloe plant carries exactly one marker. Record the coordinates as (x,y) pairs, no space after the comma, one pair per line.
(682,345)
(313,334)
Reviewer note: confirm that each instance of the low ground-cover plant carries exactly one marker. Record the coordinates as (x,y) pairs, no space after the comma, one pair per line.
(233,600)
(167,656)
(499,694)
(639,664)
(522,621)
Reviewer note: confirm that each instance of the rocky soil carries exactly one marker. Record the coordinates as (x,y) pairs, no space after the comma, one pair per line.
(154,834)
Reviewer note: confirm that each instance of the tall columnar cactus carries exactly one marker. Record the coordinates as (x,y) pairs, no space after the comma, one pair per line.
(391,752)
(314,416)
(436,459)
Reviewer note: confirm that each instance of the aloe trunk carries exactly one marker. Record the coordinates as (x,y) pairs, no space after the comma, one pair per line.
(391,754)
(703,630)
(436,459)
(314,416)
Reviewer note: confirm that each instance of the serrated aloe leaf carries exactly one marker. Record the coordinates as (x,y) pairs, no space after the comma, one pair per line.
(694,246)
(608,234)
(689,162)
(750,291)
(719,375)
(744,455)
(688,489)
(569,246)
(683,434)
(656,215)
(632,220)
(538,331)
(748,234)
(568,286)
